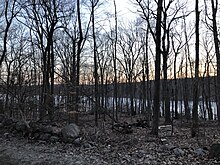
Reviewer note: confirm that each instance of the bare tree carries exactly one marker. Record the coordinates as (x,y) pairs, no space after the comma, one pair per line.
(79,50)
(176,49)
(170,15)
(11,10)
(43,18)
(213,27)
(207,96)
(115,64)
(156,109)
(131,48)
(157,39)
(94,4)
(194,130)
(188,64)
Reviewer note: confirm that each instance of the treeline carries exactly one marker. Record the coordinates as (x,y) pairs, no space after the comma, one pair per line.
(29,96)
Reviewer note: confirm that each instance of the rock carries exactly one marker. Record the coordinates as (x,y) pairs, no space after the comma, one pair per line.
(56,131)
(70,132)
(214,151)
(6,135)
(200,152)
(149,157)
(8,122)
(87,145)
(178,152)
(21,126)
(45,136)
(35,127)
(2,117)
(168,147)
(165,130)
(78,142)
(140,153)
(54,139)
(163,141)
(36,135)
(46,129)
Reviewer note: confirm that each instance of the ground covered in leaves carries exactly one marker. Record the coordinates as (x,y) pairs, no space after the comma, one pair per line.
(104,145)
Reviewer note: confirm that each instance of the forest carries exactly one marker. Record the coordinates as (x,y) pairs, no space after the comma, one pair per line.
(157,64)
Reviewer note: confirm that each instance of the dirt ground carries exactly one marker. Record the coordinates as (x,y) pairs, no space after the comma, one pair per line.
(104,145)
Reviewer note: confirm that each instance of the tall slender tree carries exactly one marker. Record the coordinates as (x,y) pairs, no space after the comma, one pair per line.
(194,129)
(115,63)
(96,76)
(10,12)
(186,84)
(156,103)
(214,4)
(78,54)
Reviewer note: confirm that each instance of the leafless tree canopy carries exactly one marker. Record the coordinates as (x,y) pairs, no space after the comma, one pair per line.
(160,60)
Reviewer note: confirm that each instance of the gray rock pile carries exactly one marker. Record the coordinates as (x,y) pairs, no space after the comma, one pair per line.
(49,132)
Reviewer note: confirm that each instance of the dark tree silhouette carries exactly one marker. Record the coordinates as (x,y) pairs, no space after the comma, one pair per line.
(156,100)
(10,12)
(194,130)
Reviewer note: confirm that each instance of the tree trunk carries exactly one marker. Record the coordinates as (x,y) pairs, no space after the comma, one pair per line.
(156,109)
(186,85)
(175,89)
(217,52)
(95,64)
(194,130)
(13,14)
(79,45)
(115,102)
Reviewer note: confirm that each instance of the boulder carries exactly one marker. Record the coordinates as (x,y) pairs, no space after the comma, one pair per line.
(214,151)
(70,132)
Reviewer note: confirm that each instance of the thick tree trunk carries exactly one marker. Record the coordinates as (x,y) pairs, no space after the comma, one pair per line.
(156,109)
